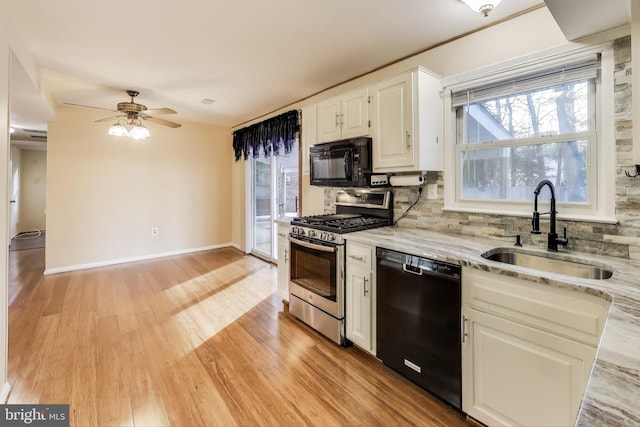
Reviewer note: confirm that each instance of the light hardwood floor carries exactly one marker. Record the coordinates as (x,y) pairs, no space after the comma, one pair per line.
(192,340)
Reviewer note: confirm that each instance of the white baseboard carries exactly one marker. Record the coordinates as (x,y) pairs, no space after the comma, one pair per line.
(132,259)
(4,392)
(237,246)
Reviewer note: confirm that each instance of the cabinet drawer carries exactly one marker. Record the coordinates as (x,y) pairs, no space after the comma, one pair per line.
(565,312)
(359,255)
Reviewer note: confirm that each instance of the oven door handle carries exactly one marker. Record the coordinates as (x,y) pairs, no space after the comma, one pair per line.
(309,245)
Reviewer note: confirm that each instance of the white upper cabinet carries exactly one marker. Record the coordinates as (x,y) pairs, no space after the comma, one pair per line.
(307,135)
(344,116)
(407,119)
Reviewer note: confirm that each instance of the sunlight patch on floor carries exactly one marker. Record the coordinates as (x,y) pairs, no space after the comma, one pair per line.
(200,321)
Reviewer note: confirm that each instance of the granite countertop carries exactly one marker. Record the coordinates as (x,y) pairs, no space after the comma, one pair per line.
(283,225)
(612,396)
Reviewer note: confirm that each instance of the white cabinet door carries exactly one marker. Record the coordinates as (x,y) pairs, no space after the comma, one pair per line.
(360,294)
(406,123)
(307,136)
(283,263)
(392,127)
(328,121)
(355,113)
(358,314)
(517,375)
(344,116)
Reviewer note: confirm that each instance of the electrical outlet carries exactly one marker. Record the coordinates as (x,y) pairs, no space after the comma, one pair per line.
(154,231)
(432,191)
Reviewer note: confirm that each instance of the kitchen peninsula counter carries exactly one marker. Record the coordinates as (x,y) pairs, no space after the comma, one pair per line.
(612,396)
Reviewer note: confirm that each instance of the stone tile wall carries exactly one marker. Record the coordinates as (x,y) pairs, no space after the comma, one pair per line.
(619,240)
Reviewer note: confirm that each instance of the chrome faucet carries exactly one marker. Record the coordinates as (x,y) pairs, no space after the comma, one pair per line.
(553,239)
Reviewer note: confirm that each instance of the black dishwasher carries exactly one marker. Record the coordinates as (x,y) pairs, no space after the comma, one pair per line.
(418,321)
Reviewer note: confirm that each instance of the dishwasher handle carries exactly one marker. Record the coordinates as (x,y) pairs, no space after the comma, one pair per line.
(412,269)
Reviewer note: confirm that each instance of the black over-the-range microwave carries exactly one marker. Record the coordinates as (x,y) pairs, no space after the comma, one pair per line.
(343,163)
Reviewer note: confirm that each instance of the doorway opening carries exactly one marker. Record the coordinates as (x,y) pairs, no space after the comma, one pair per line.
(274,189)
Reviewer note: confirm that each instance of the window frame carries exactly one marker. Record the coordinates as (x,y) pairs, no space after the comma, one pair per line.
(600,160)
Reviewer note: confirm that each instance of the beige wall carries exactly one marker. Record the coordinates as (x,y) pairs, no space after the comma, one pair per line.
(33,190)
(106,193)
(312,197)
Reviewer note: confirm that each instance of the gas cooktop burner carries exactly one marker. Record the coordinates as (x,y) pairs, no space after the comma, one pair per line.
(341,223)
(325,218)
(356,222)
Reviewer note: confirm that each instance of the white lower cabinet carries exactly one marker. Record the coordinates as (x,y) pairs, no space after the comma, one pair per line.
(283,261)
(360,296)
(527,350)
(516,375)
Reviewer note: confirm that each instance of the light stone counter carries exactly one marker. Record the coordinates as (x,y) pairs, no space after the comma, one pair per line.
(283,224)
(612,397)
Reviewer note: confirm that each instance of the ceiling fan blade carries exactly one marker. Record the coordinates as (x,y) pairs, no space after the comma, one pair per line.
(161,111)
(160,121)
(108,119)
(89,106)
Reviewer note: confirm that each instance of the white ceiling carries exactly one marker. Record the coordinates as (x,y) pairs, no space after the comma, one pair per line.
(579,18)
(250,56)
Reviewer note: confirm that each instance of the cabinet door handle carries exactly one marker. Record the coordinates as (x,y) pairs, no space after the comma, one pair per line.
(341,119)
(408,135)
(357,258)
(464,329)
(286,255)
(365,287)
(337,119)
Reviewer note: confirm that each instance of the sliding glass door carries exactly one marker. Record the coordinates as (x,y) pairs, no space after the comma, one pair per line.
(275,196)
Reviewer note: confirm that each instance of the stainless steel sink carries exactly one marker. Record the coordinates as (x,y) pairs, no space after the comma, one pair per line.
(549,262)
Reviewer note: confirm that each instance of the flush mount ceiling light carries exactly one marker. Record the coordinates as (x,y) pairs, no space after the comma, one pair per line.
(482,6)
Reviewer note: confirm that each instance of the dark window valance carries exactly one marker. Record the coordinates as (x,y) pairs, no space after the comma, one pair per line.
(267,136)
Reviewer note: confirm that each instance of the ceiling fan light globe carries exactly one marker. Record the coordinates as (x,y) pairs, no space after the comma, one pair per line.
(118,130)
(139,133)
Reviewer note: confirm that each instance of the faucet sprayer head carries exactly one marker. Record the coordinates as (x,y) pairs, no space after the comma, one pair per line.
(535,223)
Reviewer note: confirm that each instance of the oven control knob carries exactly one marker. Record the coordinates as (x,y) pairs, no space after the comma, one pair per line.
(312,233)
(331,237)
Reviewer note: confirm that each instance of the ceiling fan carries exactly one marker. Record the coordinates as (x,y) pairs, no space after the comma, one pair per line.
(134,112)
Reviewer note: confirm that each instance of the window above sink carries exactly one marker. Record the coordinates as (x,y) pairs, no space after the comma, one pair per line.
(546,116)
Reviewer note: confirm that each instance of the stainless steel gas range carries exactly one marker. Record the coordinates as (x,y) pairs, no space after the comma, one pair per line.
(317,258)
